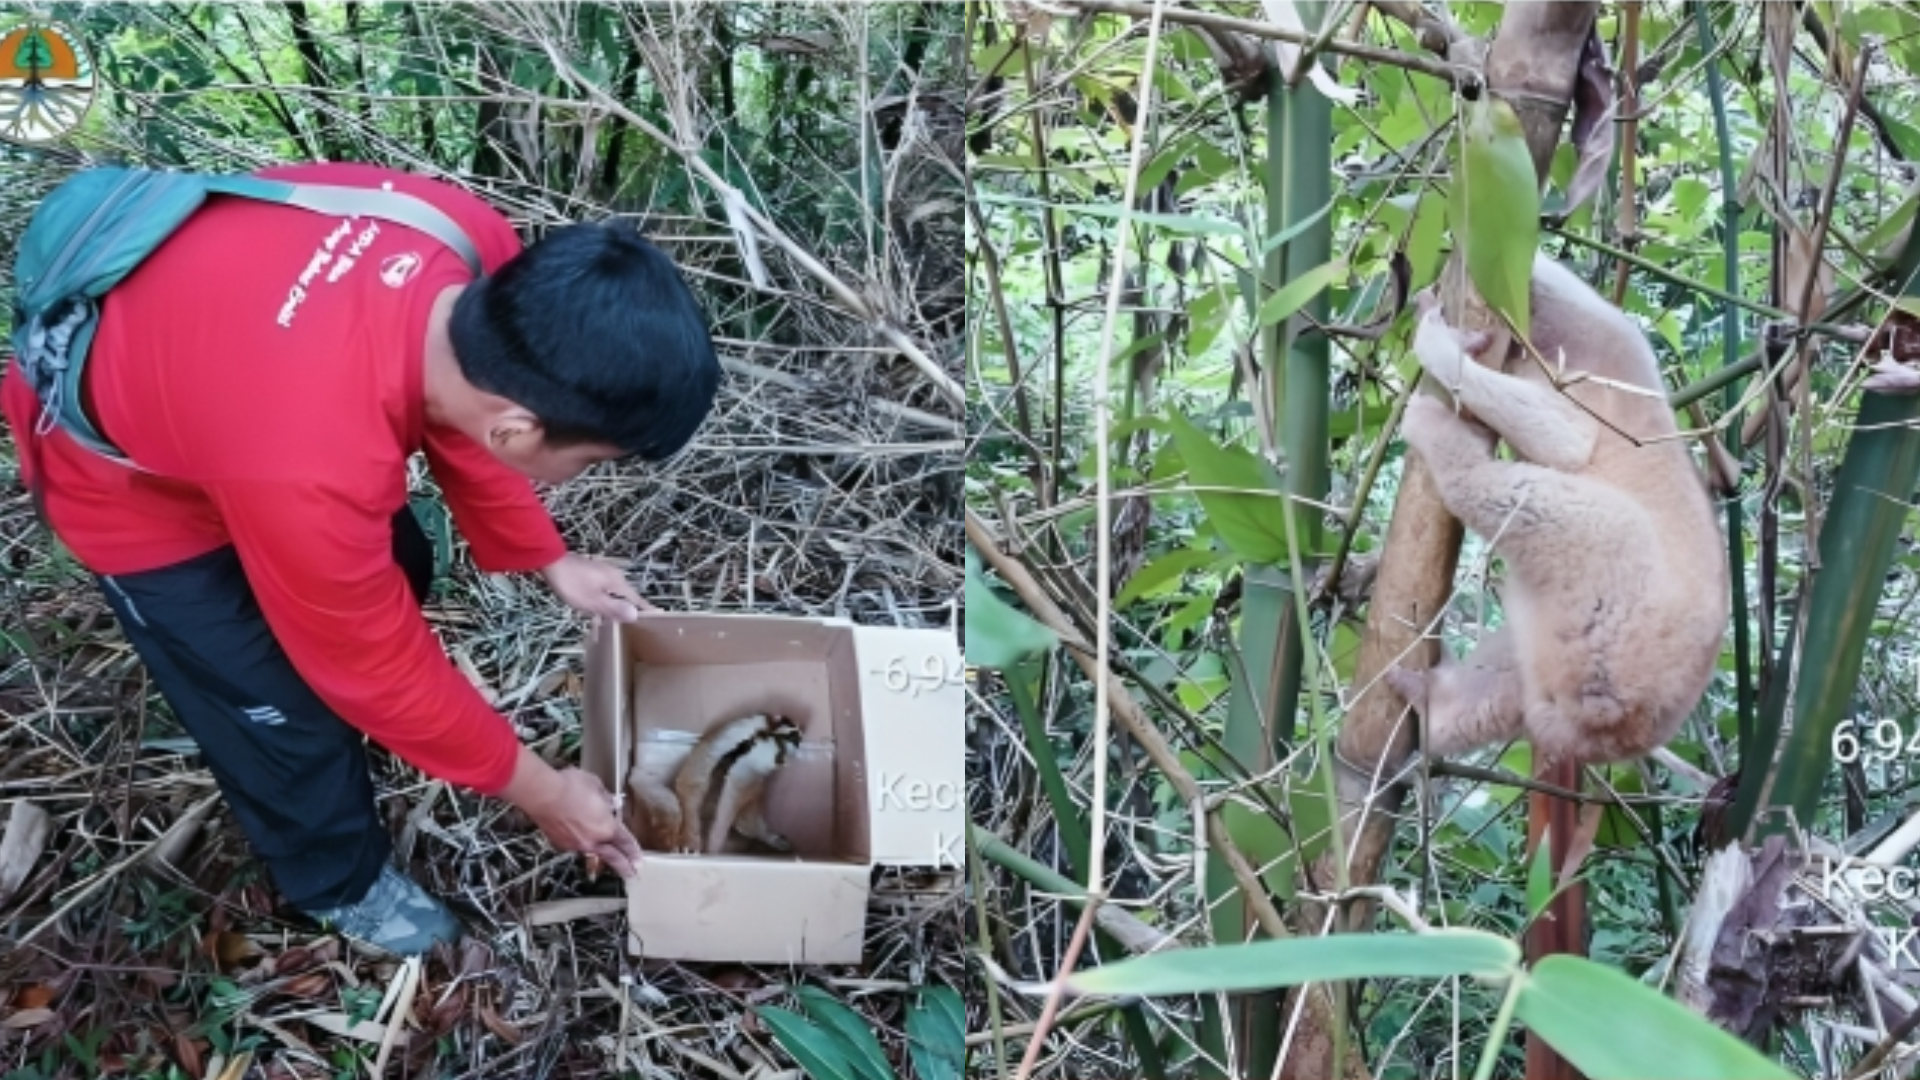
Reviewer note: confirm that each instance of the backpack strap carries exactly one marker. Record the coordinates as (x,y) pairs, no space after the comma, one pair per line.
(395,206)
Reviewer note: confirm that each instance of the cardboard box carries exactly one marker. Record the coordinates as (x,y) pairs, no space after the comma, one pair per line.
(878,780)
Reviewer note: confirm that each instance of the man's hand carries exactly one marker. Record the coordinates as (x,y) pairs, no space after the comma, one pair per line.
(573,810)
(594,587)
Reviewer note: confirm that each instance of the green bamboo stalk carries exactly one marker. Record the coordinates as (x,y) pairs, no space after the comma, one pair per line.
(1303,401)
(1730,359)
(1858,538)
(1266,671)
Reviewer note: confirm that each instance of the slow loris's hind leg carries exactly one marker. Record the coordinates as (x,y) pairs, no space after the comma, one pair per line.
(752,824)
(1466,703)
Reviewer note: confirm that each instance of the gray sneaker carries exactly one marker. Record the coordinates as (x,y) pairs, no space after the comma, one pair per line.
(396,916)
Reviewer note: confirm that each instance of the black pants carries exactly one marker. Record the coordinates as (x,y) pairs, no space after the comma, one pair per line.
(293,772)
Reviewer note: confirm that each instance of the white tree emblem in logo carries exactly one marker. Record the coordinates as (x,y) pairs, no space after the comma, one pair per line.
(46,83)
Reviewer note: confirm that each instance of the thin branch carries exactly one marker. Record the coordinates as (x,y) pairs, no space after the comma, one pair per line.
(1452,74)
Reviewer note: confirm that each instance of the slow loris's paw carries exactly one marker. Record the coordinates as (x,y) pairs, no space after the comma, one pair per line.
(1444,350)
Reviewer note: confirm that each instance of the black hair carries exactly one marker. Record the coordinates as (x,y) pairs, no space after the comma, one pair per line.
(594,331)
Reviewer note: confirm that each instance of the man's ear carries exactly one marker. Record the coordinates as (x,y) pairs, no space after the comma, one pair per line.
(511,425)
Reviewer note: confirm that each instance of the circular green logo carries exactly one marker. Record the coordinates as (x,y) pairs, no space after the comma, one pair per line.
(46,82)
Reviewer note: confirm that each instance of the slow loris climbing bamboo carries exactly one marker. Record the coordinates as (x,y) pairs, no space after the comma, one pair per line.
(1617,598)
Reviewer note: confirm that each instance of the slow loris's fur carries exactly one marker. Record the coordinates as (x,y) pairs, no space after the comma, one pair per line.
(1617,599)
(694,799)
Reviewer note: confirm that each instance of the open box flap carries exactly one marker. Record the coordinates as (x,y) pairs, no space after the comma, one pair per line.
(601,713)
(913,694)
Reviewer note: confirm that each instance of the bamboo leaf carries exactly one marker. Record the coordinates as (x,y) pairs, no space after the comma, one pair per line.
(1540,877)
(863,1051)
(1266,965)
(937,1033)
(1283,303)
(1169,567)
(1424,238)
(816,1050)
(1644,1034)
(997,634)
(1251,523)
(1067,816)
(1493,207)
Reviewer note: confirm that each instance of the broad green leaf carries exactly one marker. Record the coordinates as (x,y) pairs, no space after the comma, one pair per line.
(1210,164)
(1294,296)
(997,633)
(1165,568)
(1267,965)
(937,1033)
(815,1048)
(1690,197)
(1424,239)
(1540,876)
(855,1036)
(1137,346)
(1202,683)
(1165,161)
(1493,206)
(1188,617)
(1251,524)
(1265,843)
(1345,649)
(1644,1034)
(1275,848)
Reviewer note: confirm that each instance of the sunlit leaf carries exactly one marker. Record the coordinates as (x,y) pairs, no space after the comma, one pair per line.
(1267,965)
(1493,206)
(1294,296)
(1252,524)
(1565,995)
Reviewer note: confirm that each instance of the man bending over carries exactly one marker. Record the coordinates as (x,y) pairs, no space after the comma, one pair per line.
(271,370)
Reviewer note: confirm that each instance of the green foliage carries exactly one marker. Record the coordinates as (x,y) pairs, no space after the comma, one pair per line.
(1297,961)
(1558,998)
(937,1034)
(997,634)
(832,1042)
(1563,995)
(1240,493)
(1493,207)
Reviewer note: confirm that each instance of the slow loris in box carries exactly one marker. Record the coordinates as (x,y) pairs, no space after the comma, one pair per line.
(1617,594)
(693,799)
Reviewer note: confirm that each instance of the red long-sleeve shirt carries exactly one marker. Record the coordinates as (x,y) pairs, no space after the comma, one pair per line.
(265,366)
